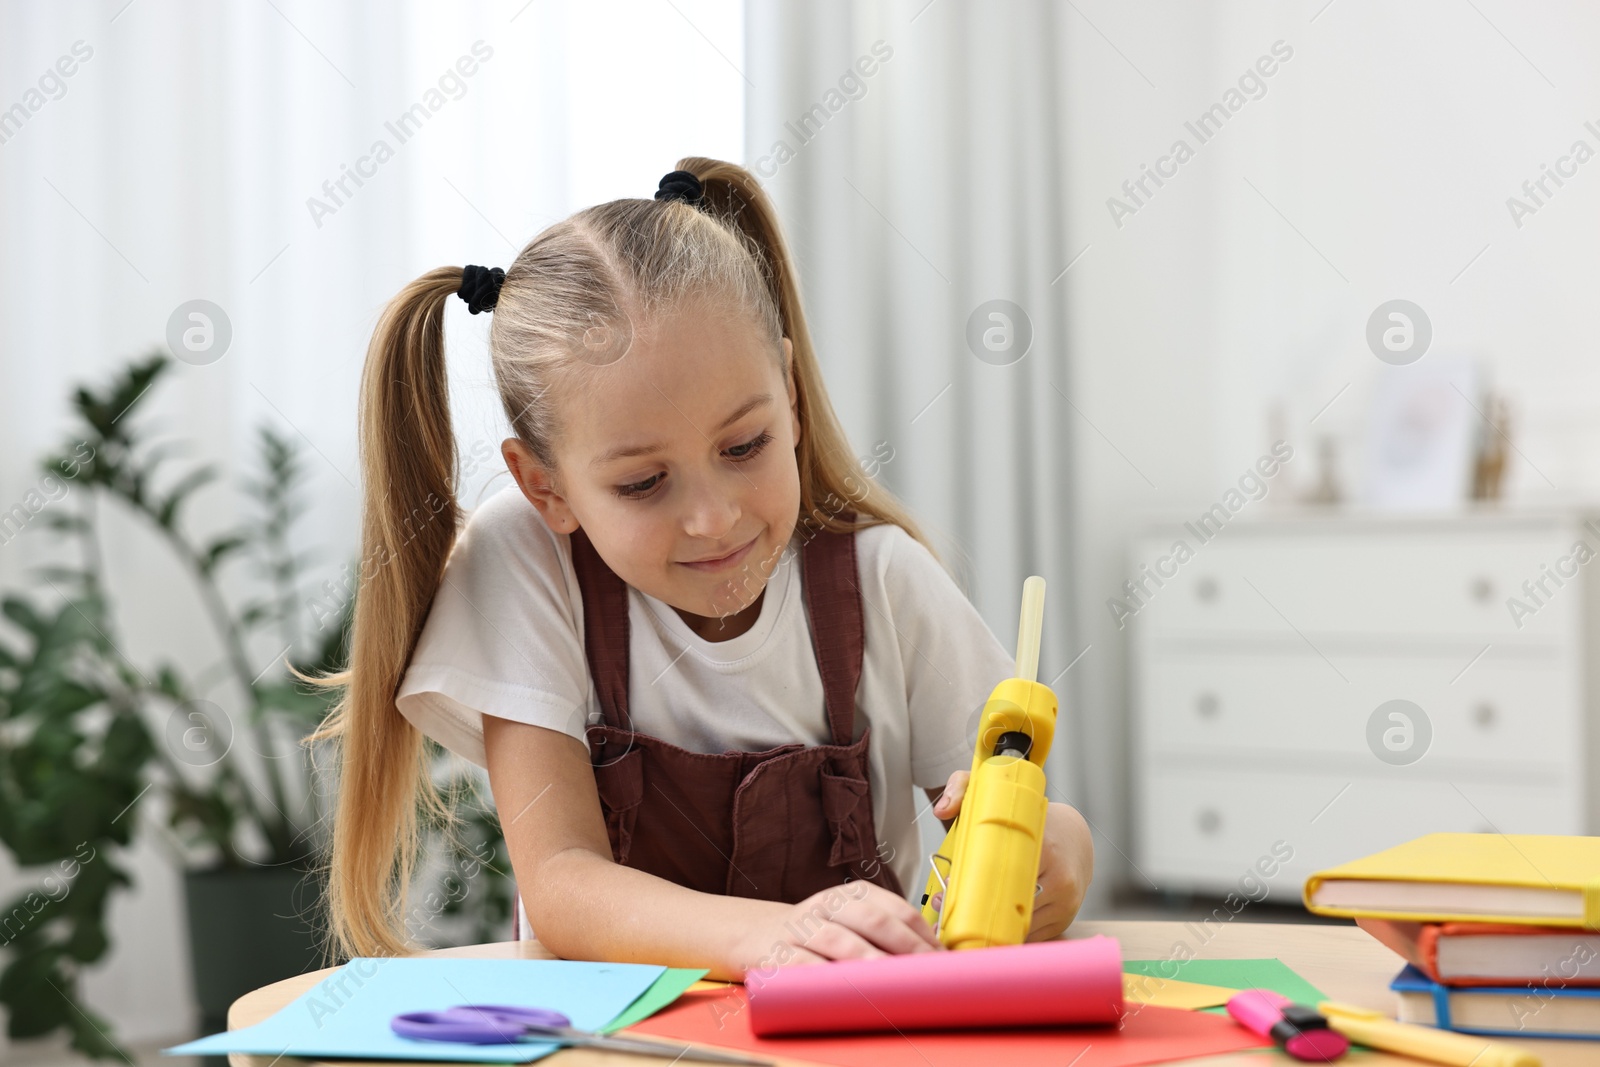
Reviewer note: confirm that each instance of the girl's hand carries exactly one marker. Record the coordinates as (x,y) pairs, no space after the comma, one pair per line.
(1066,864)
(850,921)
(949,803)
(1066,860)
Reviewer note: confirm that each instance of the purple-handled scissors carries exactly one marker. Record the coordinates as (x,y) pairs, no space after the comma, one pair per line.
(491,1024)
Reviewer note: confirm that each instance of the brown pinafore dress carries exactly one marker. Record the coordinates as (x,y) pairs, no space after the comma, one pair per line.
(780,824)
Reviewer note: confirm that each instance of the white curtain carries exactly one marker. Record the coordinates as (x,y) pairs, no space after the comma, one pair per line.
(179,161)
(916,151)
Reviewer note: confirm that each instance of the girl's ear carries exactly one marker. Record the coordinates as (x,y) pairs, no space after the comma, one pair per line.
(538,485)
(794,409)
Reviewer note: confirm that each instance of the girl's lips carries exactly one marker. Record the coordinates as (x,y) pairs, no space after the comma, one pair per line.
(711,565)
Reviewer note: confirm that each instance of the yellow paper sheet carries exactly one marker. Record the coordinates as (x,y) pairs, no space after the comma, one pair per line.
(1173,993)
(705,983)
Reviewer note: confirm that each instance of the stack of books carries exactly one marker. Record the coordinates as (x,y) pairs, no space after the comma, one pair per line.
(1501,931)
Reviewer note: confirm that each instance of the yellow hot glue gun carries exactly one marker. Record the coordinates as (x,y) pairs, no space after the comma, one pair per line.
(988,867)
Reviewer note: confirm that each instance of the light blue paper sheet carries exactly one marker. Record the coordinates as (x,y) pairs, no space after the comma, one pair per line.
(347,1014)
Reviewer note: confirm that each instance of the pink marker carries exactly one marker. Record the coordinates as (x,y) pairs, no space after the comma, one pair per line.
(1302,1031)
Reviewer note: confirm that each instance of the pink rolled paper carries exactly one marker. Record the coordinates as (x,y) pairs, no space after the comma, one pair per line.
(1046,983)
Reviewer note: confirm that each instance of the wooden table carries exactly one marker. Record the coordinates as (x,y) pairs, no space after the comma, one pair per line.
(1342,961)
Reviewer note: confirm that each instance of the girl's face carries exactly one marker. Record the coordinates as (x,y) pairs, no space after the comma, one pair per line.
(678,461)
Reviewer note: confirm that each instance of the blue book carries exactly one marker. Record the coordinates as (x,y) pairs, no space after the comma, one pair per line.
(1542,1008)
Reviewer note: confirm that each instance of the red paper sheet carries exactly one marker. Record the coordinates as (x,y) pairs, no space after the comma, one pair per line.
(1050,983)
(1148,1035)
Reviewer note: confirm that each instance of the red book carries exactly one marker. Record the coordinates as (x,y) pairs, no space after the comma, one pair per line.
(1493,954)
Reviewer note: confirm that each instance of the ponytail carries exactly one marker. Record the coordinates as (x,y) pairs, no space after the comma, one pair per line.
(831,478)
(408,525)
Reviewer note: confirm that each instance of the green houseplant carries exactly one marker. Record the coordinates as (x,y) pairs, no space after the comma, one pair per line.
(89,739)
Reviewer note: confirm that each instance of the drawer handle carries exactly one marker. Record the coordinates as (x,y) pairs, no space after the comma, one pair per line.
(1482,590)
(1209,821)
(1484,716)
(1206,705)
(1207,589)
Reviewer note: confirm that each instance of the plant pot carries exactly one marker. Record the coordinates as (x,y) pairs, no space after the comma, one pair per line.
(248,928)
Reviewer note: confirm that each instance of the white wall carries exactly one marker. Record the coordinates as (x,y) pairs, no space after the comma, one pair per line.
(1390,141)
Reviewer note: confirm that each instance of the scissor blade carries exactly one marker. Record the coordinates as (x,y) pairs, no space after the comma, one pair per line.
(669,1049)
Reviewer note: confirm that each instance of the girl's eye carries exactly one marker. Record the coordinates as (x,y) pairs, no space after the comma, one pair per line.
(738,453)
(638,489)
(750,448)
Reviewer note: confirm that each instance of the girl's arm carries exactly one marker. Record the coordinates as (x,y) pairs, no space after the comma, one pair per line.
(584,905)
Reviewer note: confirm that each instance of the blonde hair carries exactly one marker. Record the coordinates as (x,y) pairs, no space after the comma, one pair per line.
(573,299)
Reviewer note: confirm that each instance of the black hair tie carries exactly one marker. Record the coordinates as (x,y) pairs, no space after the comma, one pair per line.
(480,287)
(681,185)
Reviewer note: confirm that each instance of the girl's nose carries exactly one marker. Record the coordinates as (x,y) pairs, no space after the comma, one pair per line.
(713,512)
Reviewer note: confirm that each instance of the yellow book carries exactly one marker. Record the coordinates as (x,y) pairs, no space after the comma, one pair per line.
(1511,878)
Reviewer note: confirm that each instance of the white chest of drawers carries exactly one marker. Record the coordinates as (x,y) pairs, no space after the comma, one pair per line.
(1260,664)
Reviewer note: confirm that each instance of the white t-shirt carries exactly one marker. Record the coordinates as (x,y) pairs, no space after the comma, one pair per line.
(505,638)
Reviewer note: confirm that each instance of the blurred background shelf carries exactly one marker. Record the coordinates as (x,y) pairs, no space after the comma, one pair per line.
(1260,666)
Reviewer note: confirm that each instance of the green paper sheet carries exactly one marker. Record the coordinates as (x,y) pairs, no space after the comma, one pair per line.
(666,989)
(1271,974)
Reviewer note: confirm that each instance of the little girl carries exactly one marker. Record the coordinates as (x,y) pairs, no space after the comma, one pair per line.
(706,660)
